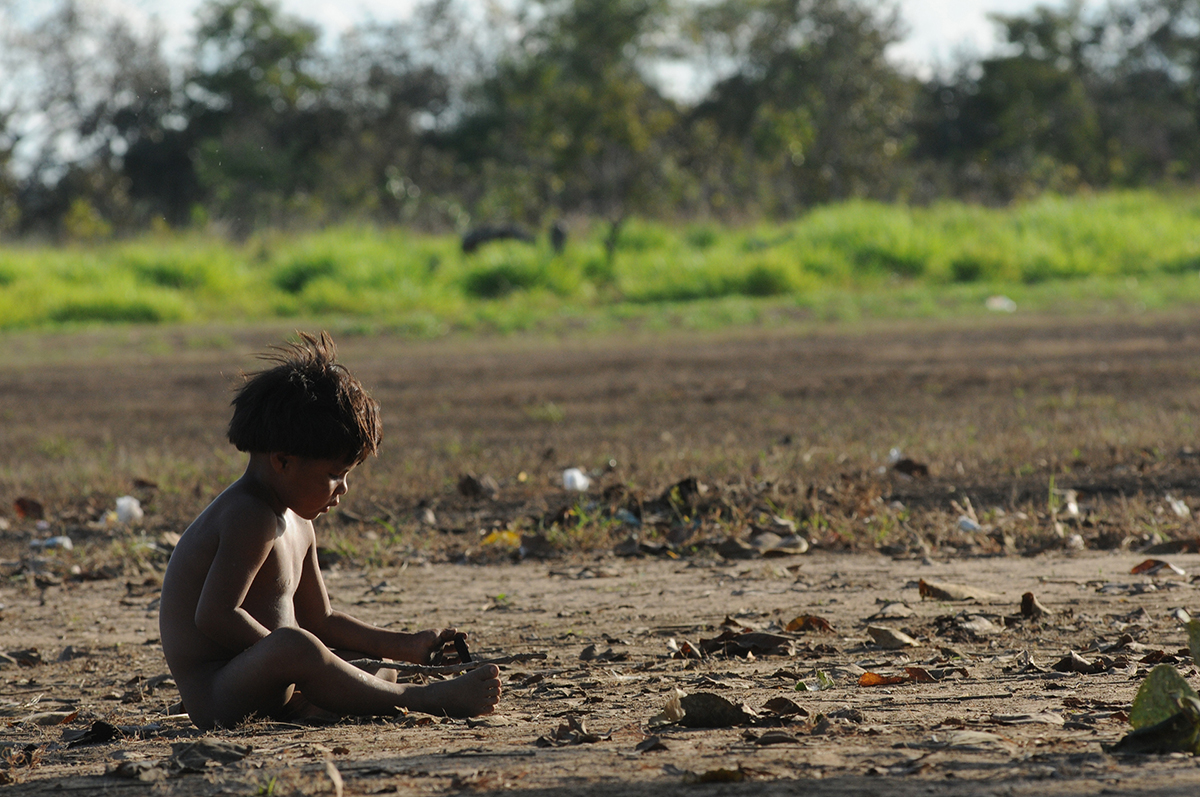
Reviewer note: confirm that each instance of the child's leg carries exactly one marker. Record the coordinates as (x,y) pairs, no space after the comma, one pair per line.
(259,680)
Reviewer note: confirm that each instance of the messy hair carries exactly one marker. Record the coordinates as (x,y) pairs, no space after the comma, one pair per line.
(307,405)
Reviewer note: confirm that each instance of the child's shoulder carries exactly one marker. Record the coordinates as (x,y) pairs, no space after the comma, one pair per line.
(239,507)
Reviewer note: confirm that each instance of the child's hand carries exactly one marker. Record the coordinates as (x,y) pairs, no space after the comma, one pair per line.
(426,644)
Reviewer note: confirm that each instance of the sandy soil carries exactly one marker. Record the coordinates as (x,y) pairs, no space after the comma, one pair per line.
(996,717)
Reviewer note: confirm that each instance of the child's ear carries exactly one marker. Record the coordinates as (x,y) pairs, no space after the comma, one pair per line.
(279,462)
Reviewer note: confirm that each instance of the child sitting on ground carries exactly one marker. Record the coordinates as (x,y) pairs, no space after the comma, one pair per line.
(246,624)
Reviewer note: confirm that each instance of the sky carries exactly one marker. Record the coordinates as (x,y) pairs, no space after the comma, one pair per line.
(938,28)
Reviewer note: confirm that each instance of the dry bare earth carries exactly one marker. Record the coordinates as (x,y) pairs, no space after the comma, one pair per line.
(771,422)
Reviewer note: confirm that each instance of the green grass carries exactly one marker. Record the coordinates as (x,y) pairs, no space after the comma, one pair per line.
(858,260)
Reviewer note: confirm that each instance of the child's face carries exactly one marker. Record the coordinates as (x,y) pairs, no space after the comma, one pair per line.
(315,485)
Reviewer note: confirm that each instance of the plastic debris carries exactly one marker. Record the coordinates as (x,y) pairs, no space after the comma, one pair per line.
(129,509)
(1179,507)
(575,479)
(62,542)
(1000,304)
(966,524)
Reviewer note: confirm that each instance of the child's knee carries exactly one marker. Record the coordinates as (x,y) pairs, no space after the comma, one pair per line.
(297,645)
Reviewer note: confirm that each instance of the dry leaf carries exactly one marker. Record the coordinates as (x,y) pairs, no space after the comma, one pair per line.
(783,707)
(1073,662)
(809,622)
(708,710)
(1031,608)
(29,508)
(1042,718)
(889,639)
(875,679)
(920,674)
(672,710)
(953,592)
(1154,567)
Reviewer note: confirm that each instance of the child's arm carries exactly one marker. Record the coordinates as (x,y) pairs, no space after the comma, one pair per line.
(341,631)
(245,540)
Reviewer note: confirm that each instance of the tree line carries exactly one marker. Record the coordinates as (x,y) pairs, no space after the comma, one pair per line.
(550,109)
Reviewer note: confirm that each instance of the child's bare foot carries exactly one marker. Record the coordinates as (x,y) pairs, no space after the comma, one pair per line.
(469,695)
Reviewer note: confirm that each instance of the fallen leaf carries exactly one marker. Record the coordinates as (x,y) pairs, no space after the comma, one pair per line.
(1042,718)
(571,731)
(967,740)
(1155,700)
(758,643)
(28,508)
(1031,608)
(195,756)
(809,622)
(911,468)
(683,650)
(875,679)
(672,710)
(1154,567)
(1073,662)
(721,775)
(890,639)
(99,733)
(776,737)
(145,771)
(335,778)
(953,592)
(651,743)
(709,710)
(893,611)
(49,718)
(920,675)
(783,707)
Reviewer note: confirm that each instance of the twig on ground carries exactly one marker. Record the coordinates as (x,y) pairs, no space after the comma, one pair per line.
(444,669)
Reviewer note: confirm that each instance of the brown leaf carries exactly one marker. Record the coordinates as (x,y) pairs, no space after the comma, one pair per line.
(875,679)
(809,622)
(953,592)
(920,674)
(649,744)
(1152,567)
(1031,608)
(911,467)
(890,639)
(1073,662)
(783,707)
(757,643)
(29,508)
(708,710)
(776,737)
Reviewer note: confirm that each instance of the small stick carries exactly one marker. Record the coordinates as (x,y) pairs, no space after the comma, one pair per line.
(445,669)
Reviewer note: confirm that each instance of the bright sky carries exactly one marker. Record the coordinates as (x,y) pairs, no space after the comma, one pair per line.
(938,28)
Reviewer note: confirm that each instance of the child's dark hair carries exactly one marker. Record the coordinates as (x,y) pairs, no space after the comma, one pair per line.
(308,405)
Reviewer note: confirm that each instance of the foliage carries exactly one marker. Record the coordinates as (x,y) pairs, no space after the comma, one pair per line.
(543,110)
(853,260)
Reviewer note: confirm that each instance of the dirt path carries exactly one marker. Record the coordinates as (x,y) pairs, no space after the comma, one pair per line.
(1000,718)
(1004,415)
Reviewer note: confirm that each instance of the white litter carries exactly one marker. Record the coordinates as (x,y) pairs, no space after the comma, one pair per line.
(575,479)
(129,509)
(1000,304)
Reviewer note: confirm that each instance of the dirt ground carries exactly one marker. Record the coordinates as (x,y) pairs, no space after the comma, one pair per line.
(1047,457)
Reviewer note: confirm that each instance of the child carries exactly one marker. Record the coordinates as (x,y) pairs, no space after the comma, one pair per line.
(246,624)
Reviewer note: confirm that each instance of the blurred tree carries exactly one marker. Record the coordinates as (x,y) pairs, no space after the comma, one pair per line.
(807,108)
(1026,120)
(1151,98)
(568,121)
(395,85)
(254,110)
(97,88)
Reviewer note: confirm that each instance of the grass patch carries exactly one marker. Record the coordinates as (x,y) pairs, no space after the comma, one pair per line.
(857,260)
